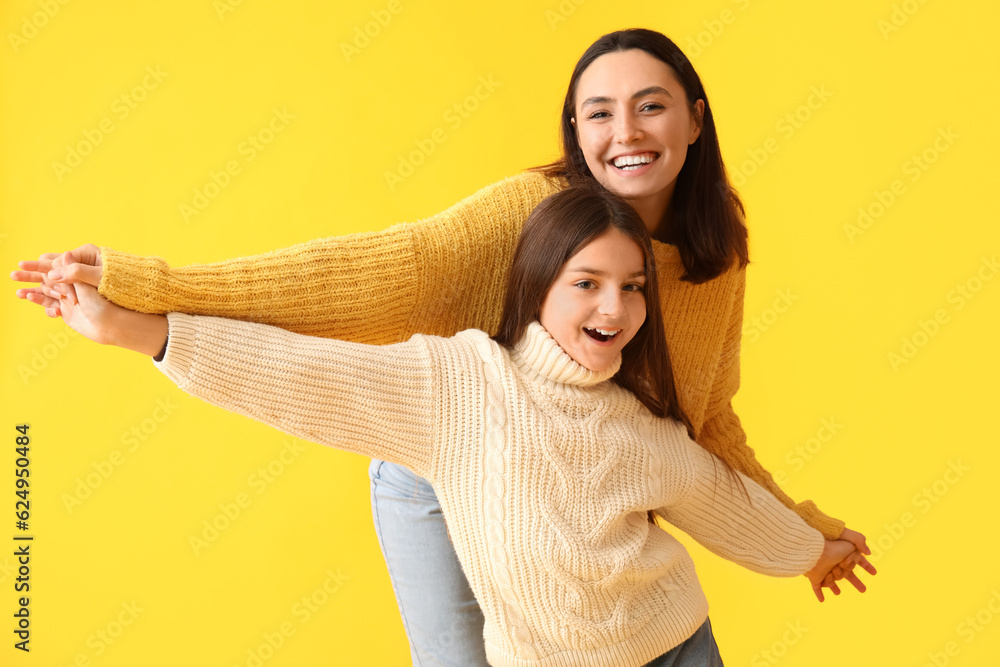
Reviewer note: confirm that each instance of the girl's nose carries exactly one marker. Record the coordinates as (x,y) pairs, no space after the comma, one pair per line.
(612,303)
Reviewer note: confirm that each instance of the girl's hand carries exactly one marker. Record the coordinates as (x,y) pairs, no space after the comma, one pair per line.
(84,311)
(845,570)
(88,313)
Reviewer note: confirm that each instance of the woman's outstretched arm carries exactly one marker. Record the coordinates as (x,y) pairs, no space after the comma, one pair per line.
(723,435)
(438,276)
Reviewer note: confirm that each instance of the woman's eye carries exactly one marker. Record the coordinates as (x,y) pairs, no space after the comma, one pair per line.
(597,115)
(585,284)
(651,106)
(634,287)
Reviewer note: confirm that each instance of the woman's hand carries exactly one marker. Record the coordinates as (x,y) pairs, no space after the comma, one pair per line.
(836,562)
(861,547)
(858,540)
(59,271)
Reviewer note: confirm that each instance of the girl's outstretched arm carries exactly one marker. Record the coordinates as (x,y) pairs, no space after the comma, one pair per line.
(723,434)
(374,400)
(746,524)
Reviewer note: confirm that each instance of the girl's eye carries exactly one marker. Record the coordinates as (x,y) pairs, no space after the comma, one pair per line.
(635,287)
(585,284)
(597,115)
(651,106)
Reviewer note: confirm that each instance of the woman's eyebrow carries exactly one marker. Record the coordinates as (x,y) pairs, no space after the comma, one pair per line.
(649,90)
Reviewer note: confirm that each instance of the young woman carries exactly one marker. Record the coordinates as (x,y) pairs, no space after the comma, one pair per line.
(547,445)
(636,120)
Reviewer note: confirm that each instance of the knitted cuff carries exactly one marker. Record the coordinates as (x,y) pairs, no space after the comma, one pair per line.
(135,282)
(830,527)
(182,338)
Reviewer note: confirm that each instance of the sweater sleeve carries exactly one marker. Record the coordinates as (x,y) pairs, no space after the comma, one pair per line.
(373,400)
(723,435)
(751,529)
(439,276)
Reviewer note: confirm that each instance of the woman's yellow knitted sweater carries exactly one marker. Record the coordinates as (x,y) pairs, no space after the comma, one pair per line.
(446,274)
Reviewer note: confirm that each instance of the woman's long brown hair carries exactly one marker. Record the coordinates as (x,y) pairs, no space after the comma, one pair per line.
(705,218)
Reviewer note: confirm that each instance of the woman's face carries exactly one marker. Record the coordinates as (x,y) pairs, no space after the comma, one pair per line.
(596,304)
(634,124)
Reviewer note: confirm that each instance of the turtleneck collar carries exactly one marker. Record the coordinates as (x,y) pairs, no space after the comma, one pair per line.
(538,353)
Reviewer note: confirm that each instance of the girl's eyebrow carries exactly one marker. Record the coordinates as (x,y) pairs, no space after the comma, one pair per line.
(649,90)
(598,272)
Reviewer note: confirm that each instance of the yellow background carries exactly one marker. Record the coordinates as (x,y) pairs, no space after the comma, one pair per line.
(830,306)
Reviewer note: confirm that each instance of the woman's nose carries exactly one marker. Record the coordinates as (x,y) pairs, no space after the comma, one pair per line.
(627,131)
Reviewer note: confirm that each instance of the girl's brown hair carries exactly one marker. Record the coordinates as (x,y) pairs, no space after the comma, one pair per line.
(558,228)
(705,218)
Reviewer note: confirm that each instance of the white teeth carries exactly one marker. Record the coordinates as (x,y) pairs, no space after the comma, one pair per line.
(606,332)
(633,160)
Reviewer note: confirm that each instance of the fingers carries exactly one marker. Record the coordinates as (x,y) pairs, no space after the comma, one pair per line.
(868,567)
(51,297)
(34,271)
(52,291)
(28,275)
(69,294)
(27,292)
(67,269)
(88,254)
(857,583)
(50,304)
(857,558)
(42,265)
(82,265)
(857,539)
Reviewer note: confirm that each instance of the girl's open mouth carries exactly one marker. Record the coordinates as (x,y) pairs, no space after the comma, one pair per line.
(602,335)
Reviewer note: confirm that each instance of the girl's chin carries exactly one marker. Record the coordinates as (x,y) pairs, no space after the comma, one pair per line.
(594,366)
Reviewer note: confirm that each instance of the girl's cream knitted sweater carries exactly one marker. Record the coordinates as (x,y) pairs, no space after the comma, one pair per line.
(545,471)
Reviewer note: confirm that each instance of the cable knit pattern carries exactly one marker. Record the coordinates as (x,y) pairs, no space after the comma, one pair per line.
(494,496)
(446,274)
(545,472)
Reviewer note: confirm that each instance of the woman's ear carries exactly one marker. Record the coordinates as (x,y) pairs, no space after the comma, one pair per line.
(697,120)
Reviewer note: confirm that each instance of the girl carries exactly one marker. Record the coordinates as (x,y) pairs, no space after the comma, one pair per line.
(547,445)
(637,121)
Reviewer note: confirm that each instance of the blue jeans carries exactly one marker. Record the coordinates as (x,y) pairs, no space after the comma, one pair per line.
(442,619)
(698,650)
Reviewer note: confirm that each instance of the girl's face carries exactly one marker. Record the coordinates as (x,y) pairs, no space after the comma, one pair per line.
(596,304)
(634,124)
